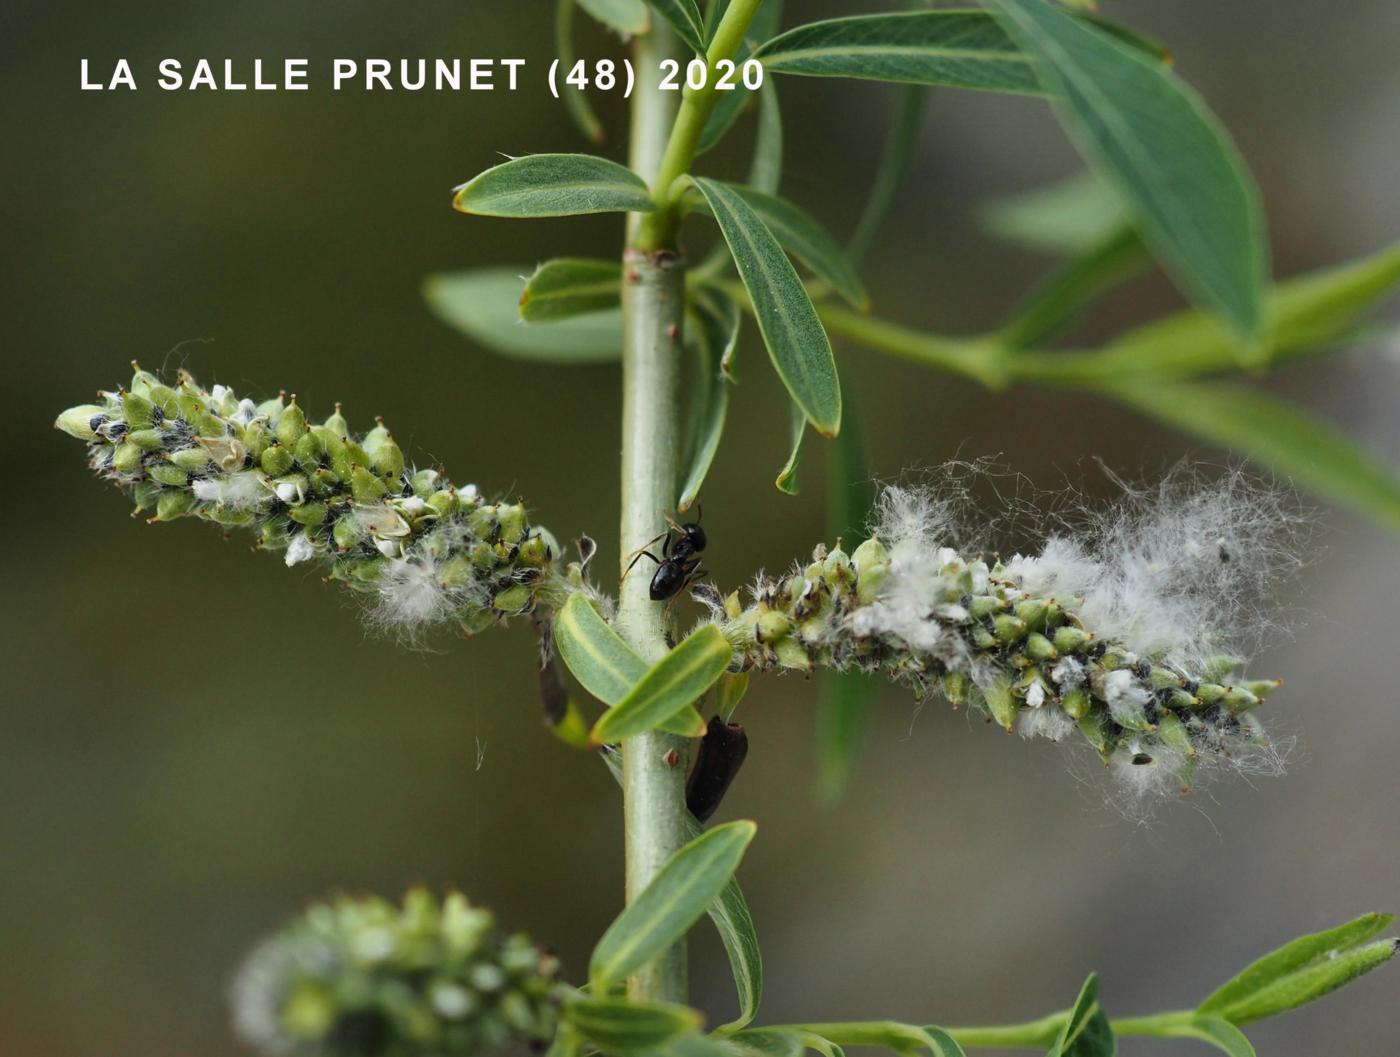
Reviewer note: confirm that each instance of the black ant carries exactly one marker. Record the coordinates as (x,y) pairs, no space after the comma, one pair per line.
(679,564)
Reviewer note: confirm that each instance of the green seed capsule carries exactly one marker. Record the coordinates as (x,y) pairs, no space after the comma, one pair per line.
(982,606)
(458,572)
(257,437)
(1075,702)
(227,515)
(77,421)
(191,459)
(308,514)
(513,522)
(982,638)
(168,474)
(365,487)
(534,553)
(1262,688)
(790,654)
(1032,611)
(514,599)
(324,482)
(375,438)
(1181,701)
(173,504)
(771,626)
(147,439)
(1172,733)
(1008,628)
(387,460)
(425,483)
(956,687)
(1237,699)
(206,425)
(1210,693)
(291,426)
(346,456)
(336,423)
(837,570)
(270,409)
(1001,704)
(1220,668)
(276,460)
(127,458)
(309,451)
(137,411)
(1039,648)
(142,381)
(1070,639)
(482,555)
(1094,727)
(347,533)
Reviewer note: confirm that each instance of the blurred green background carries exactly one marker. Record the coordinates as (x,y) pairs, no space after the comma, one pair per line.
(195,740)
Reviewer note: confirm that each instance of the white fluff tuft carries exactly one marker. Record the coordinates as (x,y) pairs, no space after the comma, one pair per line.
(240,491)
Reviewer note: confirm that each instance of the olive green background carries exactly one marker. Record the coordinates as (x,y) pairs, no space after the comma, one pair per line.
(196,740)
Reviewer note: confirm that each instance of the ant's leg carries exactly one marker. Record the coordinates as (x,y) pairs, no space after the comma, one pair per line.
(644,546)
(640,555)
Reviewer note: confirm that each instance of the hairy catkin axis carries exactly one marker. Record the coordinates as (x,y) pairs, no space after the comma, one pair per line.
(423,550)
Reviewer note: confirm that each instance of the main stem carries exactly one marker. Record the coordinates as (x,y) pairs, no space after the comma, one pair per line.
(653,301)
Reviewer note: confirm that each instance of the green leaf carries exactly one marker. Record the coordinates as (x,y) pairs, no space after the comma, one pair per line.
(1054,303)
(596,655)
(894,162)
(766,168)
(685,19)
(731,104)
(1070,216)
(670,686)
(571,286)
(622,1026)
(1305,969)
(1276,434)
(664,911)
(715,323)
(626,16)
(889,1034)
(484,304)
(787,477)
(1303,313)
(796,341)
(801,235)
(825,1047)
(1086,1031)
(1153,140)
(768,1042)
(1221,1034)
(729,692)
(576,103)
(961,49)
(554,185)
(729,912)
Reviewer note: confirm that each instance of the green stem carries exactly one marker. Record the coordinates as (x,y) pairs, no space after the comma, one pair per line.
(1038,1034)
(653,301)
(658,229)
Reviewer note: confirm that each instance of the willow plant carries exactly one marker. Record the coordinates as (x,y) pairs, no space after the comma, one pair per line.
(1127,630)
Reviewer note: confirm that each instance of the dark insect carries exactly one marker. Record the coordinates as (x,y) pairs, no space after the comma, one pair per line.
(679,564)
(721,754)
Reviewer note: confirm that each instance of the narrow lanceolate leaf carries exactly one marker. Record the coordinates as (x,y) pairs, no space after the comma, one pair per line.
(1068,216)
(729,912)
(685,19)
(1298,972)
(484,304)
(1276,434)
(767,1042)
(894,161)
(554,185)
(625,16)
(787,480)
(1153,140)
(1304,313)
(961,49)
(669,687)
(1221,1034)
(576,103)
(766,168)
(570,286)
(887,1034)
(796,340)
(800,234)
(715,324)
(596,655)
(664,911)
(624,1027)
(1086,1032)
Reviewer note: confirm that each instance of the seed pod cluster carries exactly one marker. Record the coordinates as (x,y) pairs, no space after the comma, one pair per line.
(425,549)
(364,977)
(969,629)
